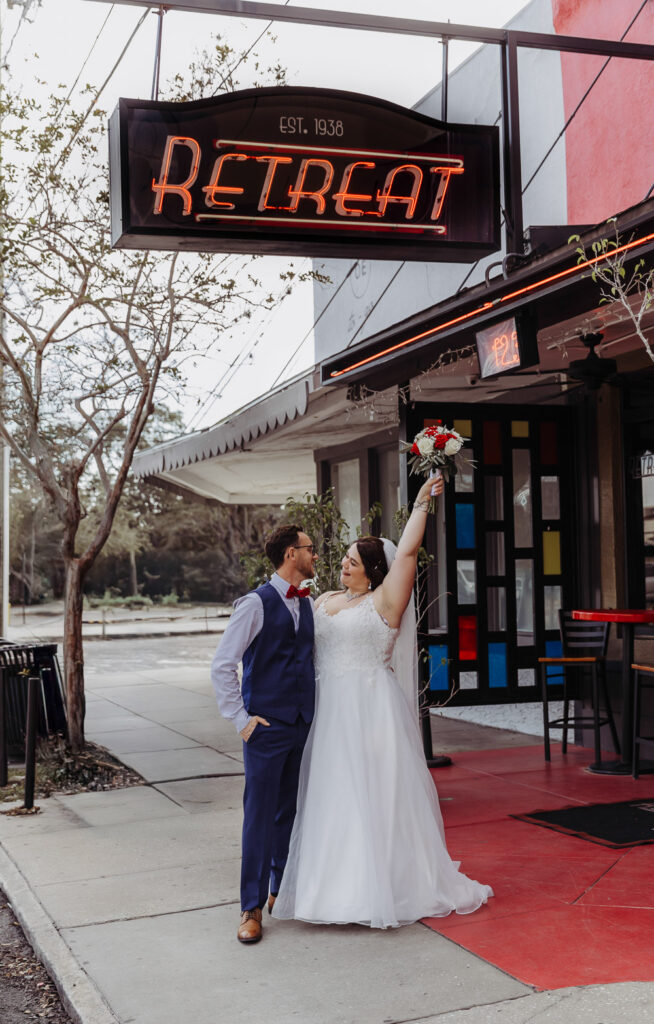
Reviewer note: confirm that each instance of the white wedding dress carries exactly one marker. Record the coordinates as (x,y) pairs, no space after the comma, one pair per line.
(368,845)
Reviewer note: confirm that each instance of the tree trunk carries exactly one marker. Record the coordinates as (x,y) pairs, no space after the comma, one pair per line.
(74,655)
(133,579)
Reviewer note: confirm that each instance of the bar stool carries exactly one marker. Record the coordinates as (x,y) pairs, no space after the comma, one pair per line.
(593,638)
(643,680)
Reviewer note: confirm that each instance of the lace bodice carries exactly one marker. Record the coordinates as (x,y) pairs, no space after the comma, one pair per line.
(354,638)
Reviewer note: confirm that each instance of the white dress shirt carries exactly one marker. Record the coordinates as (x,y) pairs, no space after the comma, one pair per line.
(245,623)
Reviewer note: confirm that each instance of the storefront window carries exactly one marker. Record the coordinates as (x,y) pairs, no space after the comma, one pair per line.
(345,480)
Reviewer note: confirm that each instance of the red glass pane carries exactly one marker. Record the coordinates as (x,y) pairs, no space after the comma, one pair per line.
(467,637)
(492,443)
(548,446)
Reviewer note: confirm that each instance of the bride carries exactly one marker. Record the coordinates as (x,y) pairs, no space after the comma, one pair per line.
(368,845)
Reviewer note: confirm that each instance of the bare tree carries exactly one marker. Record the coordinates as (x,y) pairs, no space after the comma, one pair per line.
(92,338)
(632,288)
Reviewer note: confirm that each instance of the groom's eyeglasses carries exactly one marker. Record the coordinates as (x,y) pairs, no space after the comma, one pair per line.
(309,547)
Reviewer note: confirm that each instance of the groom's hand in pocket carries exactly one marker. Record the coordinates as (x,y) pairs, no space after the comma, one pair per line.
(251,726)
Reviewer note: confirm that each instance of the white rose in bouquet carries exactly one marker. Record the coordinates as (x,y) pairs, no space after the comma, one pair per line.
(425,445)
(452,446)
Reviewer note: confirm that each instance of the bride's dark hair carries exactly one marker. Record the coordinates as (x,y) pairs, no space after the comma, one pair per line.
(371,551)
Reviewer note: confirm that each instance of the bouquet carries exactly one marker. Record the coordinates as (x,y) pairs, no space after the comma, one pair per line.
(435,450)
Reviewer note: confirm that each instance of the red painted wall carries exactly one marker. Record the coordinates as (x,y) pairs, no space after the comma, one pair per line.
(610,142)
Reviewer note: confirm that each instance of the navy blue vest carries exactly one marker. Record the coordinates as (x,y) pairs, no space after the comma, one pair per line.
(278,676)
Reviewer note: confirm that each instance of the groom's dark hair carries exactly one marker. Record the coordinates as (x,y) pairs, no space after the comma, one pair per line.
(279,540)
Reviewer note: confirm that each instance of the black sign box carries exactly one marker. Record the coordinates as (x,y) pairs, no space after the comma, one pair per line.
(306,172)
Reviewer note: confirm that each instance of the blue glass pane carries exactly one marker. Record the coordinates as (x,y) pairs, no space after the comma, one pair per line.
(438,669)
(465,526)
(497,664)
(554,649)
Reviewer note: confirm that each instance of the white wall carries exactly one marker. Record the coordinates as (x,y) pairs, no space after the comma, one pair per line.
(378,293)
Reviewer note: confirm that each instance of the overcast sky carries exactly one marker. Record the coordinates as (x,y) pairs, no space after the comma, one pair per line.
(402,69)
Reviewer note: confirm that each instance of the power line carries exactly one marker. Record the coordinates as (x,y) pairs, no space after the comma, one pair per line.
(315,322)
(249,50)
(88,56)
(583,98)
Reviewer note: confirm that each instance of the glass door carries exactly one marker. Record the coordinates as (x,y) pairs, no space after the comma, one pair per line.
(500,545)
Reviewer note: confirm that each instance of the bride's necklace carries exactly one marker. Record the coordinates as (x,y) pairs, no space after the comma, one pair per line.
(352,597)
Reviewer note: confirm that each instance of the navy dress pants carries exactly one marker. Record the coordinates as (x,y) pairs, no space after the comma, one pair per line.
(272,758)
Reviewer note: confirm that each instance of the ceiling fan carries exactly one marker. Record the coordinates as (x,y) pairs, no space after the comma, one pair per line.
(593,370)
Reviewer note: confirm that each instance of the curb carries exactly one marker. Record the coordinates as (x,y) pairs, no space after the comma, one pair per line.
(127,636)
(79,994)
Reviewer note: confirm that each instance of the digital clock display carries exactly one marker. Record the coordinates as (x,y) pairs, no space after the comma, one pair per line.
(504,347)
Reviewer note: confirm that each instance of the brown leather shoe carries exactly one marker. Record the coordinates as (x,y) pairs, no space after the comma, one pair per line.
(250,929)
(271,902)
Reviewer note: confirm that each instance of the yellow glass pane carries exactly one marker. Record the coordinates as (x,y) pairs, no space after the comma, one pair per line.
(519,428)
(551,552)
(463,427)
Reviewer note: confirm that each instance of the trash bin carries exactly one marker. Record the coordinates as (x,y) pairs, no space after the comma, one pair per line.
(17,661)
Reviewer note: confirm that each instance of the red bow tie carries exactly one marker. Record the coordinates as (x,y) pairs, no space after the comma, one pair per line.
(294,591)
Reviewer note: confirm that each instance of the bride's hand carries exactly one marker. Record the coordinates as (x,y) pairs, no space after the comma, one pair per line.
(425,492)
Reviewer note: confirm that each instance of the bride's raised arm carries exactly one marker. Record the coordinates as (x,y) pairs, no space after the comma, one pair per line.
(392,596)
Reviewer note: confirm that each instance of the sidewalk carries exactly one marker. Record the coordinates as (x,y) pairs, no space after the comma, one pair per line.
(131,896)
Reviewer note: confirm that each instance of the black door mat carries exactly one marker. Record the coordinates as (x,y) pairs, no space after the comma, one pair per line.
(620,825)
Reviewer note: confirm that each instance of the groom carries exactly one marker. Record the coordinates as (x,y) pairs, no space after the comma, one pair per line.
(271,632)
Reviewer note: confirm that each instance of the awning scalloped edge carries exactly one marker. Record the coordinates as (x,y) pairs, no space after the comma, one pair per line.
(252,422)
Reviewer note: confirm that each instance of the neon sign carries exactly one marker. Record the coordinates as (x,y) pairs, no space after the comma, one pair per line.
(505,346)
(302,171)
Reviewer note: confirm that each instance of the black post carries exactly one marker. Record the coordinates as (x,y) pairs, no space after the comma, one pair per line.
(444,78)
(3,732)
(511,147)
(30,740)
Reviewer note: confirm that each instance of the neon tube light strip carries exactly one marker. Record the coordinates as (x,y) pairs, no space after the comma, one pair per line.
(495,303)
(452,161)
(439,229)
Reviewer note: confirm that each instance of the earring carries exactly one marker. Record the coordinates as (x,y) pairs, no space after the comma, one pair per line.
(369,586)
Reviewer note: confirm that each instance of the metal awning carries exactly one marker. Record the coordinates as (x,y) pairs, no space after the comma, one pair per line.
(264,453)
(551,285)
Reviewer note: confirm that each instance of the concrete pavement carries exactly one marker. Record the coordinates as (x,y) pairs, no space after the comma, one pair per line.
(131,896)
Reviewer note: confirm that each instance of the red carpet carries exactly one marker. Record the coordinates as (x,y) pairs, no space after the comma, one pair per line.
(565,911)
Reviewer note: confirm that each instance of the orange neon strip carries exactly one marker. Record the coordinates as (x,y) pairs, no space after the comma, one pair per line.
(496,302)
(407,341)
(297,147)
(348,225)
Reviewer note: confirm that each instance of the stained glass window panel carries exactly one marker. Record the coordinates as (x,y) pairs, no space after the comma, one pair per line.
(468,681)
(492,435)
(524,599)
(495,553)
(468,637)
(497,676)
(464,481)
(552,605)
(466,581)
(554,649)
(496,609)
(551,552)
(548,447)
(493,498)
(438,667)
(522,498)
(465,526)
(549,489)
